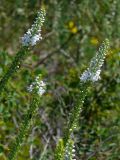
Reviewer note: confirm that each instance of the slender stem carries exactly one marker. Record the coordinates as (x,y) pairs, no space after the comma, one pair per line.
(73,121)
(44,151)
(75,114)
(13,67)
(24,129)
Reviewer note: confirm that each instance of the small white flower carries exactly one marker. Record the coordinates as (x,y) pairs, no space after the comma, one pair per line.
(35,38)
(41,88)
(26,39)
(85,76)
(96,76)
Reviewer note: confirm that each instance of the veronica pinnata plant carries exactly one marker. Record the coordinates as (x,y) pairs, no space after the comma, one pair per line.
(29,39)
(91,74)
(37,89)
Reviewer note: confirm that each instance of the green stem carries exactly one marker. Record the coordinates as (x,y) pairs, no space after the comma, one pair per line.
(14,66)
(74,116)
(73,121)
(24,129)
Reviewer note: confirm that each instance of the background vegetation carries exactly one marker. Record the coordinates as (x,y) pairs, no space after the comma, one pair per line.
(72,33)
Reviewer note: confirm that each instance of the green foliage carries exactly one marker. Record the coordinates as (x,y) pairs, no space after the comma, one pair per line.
(14,66)
(24,128)
(72,32)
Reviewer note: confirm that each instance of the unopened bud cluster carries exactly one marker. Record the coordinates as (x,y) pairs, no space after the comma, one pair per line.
(93,72)
(38,86)
(70,151)
(33,34)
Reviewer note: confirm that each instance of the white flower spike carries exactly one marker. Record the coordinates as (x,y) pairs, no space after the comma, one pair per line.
(33,34)
(93,72)
(38,86)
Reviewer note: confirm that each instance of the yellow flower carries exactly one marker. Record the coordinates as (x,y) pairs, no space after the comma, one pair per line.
(71,24)
(114,52)
(94,41)
(74,30)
